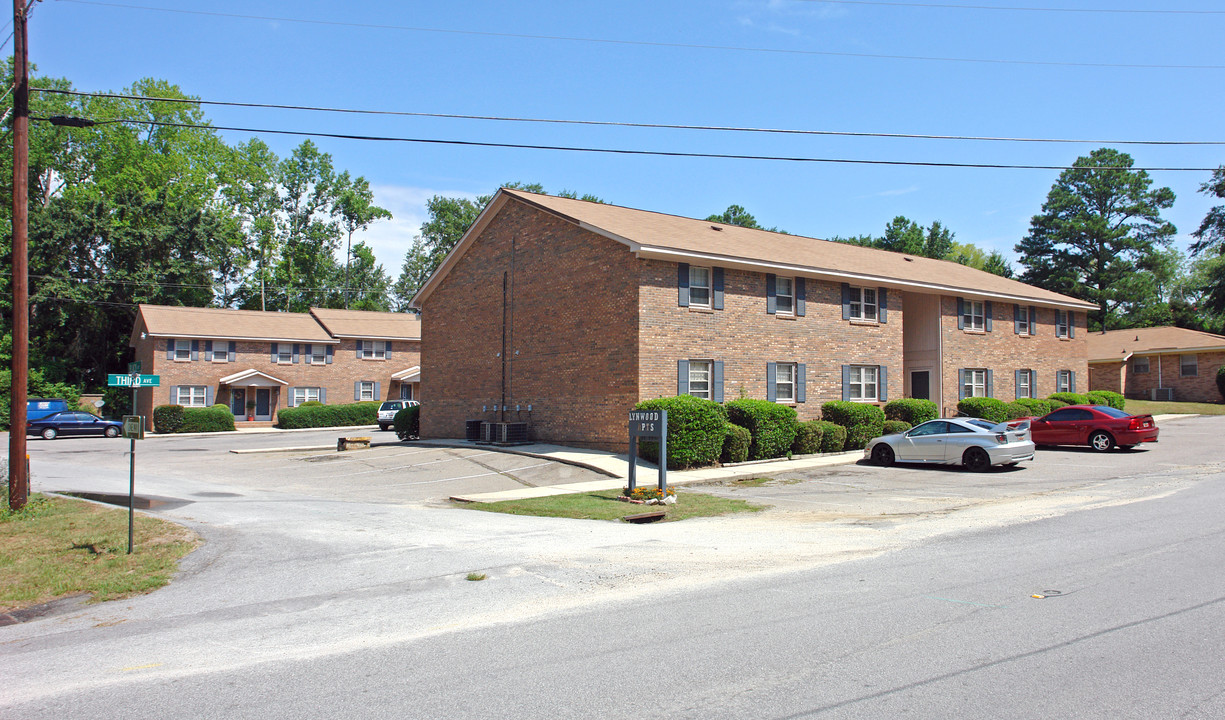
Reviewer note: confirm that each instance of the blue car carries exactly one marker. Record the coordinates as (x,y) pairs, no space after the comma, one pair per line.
(73,422)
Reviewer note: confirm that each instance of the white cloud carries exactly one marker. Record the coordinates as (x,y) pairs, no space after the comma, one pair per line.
(892,193)
(391,239)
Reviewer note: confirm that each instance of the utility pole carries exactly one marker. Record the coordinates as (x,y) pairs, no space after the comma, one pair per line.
(19,470)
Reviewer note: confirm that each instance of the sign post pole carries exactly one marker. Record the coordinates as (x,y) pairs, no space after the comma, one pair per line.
(133,429)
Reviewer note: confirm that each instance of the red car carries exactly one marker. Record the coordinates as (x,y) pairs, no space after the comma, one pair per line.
(1099,426)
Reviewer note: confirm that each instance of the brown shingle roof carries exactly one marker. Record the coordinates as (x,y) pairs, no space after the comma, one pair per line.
(366,324)
(669,237)
(218,323)
(1118,344)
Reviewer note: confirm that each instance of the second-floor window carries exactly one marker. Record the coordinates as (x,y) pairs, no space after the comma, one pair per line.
(784,295)
(973,316)
(699,286)
(863,303)
(284,354)
(373,349)
(1062,323)
(182,350)
(319,354)
(221,351)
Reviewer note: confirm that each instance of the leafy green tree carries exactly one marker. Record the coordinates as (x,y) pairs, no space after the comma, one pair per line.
(1100,224)
(370,285)
(737,215)
(903,235)
(1209,247)
(973,256)
(357,211)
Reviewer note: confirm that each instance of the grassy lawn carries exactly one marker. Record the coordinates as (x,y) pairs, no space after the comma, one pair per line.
(1141,407)
(604,505)
(57,547)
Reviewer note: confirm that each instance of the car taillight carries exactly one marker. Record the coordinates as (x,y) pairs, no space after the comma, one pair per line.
(1001,438)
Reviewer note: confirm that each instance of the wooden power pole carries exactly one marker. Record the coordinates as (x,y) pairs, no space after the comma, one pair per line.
(19,475)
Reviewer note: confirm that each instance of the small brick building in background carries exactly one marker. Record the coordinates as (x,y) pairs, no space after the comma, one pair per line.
(1160,363)
(258,362)
(563,314)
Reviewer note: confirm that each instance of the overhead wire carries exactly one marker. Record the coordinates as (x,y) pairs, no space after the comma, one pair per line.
(1015,8)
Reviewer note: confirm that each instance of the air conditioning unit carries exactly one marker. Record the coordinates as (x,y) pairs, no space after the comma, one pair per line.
(1163,394)
(509,433)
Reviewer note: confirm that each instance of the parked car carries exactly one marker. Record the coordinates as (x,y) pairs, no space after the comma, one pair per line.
(388,410)
(973,443)
(1101,427)
(39,408)
(73,422)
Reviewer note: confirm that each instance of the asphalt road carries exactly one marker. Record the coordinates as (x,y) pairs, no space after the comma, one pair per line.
(895,592)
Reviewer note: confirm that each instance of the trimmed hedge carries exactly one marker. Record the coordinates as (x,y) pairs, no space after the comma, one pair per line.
(308,416)
(167,418)
(217,418)
(896,426)
(808,438)
(1036,407)
(1056,404)
(833,436)
(736,441)
(1068,398)
(773,426)
(407,422)
(911,410)
(695,431)
(992,409)
(1017,410)
(1106,397)
(862,422)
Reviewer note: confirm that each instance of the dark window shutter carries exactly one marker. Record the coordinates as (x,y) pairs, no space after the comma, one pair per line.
(1016,384)
(801,383)
(716,383)
(174,393)
(771,299)
(195,350)
(208,395)
(170,349)
(1071,324)
(1016,319)
(329,355)
(990,384)
(387,350)
(357,390)
(1033,384)
(882,383)
(882,304)
(961,384)
(682,377)
(208,350)
(323,395)
(846,382)
(233,350)
(682,284)
(846,301)
(801,296)
(716,288)
(296,349)
(358,344)
(1071,381)
(378,393)
(1033,321)
(987,313)
(961,314)
(771,381)
(306,353)
(274,352)
(290,394)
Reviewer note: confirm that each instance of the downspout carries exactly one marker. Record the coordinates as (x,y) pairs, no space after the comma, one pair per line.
(502,405)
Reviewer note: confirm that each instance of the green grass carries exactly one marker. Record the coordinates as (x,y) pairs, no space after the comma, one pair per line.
(1143,407)
(56,547)
(604,505)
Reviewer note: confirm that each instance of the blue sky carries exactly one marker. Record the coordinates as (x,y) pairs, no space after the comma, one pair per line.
(790,64)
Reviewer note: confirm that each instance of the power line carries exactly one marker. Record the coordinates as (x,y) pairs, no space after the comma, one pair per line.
(642,43)
(1106,11)
(201,286)
(607,151)
(610,123)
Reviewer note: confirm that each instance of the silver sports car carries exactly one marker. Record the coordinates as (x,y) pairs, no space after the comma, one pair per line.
(973,443)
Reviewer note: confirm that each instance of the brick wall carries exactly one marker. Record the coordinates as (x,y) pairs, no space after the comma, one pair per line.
(570,333)
(1198,388)
(1004,352)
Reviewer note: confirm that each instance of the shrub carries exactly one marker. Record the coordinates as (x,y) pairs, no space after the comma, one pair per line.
(1106,397)
(695,431)
(1220,381)
(1035,407)
(36,386)
(217,418)
(862,422)
(736,441)
(992,409)
(833,436)
(772,426)
(1017,410)
(896,426)
(407,422)
(311,403)
(1068,398)
(1056,404)
(808,438)
(168,418)
(911,410)
(358,413)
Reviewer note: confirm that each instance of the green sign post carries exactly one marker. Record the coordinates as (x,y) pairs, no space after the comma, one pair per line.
(133,428)
(133,381)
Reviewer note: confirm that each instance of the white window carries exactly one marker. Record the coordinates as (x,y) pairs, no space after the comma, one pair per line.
(1024,323)
(1140,364)
(863,303)
(221,351)
(699,287)
(973,317)
(699,378)
(1061,323)
(191,396)
(319,354)
(1025,384)
(1063,381)
(863,382)
(365,390)
(1189,365)
(182,350)
(302,394)
(974,383)
(284,354)
(784,383)
(373,349)
(784,295)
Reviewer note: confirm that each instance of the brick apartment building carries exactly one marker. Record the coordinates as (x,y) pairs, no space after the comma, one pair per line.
(1160,363)
(207,356)
(574,311)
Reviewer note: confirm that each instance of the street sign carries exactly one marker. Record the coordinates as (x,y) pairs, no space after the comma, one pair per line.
(134,427)
(652,425)
(133,381)
(648,423)
(134,368)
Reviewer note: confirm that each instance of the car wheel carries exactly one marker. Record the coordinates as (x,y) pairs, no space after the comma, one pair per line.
(1101,441)
(111,432)
(976,459)
(882,455)
(49,433)
(383,428)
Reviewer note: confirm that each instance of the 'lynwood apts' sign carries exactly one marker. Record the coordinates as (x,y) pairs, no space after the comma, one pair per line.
(652,425)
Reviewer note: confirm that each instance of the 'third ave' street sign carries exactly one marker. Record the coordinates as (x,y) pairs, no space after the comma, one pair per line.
(133,381)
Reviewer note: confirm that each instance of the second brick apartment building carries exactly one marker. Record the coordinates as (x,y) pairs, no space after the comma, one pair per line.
(563,314)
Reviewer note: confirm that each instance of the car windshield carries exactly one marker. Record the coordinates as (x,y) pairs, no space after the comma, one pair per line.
(390,406)
(1112,412)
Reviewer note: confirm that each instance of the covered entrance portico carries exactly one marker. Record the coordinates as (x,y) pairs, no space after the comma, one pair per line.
(253,394)
(408,380)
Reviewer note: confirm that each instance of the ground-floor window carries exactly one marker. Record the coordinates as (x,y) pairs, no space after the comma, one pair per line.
(863,382)
(784,383)
(974,383)
(699,378)
(1063,381)
(365,390)
(191,396)
(1025,383)
(1189,365)
(303,394)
